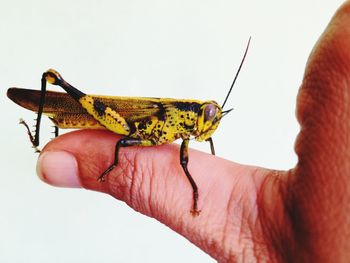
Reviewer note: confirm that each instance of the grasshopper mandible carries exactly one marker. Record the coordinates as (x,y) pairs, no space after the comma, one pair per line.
(142,121)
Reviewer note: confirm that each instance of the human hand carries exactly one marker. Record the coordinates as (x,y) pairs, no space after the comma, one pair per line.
(248,213)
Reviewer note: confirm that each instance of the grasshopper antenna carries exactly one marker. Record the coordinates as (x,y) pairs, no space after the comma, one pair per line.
(239,69)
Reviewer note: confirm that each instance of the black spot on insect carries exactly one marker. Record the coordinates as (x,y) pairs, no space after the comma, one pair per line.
(161,113)
(187,106)
(188,127)
(182,116)
(99,107)
(142,126)
(132,127)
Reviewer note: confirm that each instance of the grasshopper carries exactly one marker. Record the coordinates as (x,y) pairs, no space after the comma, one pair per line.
(142,121)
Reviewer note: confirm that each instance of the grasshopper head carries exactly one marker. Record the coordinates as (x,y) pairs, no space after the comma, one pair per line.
(209,116)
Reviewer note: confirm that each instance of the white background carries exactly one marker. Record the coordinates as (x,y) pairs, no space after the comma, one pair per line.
(181,49)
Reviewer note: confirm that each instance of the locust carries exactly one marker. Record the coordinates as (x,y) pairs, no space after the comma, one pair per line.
(142,121)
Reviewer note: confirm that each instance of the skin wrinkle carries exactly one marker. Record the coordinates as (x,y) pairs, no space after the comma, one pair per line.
(231,259)
(272,232)
(151,170)
(244,239)
(154,194)
(242,235)
(150,209)
(257,244)
(232,201)
(229,225)
(169,173)
(122,177)
(136,183)
(172,174)
(286,246)
(114,183)
(212,243)
(147,184)
(90,169)
(135,177)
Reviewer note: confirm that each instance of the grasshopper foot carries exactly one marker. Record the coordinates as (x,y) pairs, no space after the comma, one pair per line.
(195,212)
(36,149)
(101,178)
(31,137)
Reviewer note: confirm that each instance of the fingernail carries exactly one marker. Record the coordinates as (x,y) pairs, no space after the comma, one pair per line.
(58,169)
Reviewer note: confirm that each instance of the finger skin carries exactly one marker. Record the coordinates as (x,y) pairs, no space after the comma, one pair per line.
(151,181)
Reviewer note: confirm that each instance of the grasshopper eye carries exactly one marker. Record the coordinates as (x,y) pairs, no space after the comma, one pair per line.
(210,112)
(208,120)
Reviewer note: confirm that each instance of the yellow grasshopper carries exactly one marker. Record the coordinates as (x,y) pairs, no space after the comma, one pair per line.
(142,121)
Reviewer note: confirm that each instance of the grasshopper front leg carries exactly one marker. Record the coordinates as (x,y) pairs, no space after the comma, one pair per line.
(210,140)
(126,142)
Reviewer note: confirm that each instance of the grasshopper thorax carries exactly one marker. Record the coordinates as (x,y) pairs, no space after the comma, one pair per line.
(209,117)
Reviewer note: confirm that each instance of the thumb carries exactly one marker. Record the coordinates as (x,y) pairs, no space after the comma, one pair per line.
(320,189)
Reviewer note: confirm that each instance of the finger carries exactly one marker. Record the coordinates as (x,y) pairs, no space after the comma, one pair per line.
(320,190)
(151,180)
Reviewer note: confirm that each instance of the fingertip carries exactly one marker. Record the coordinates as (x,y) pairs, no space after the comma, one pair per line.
(58,168)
